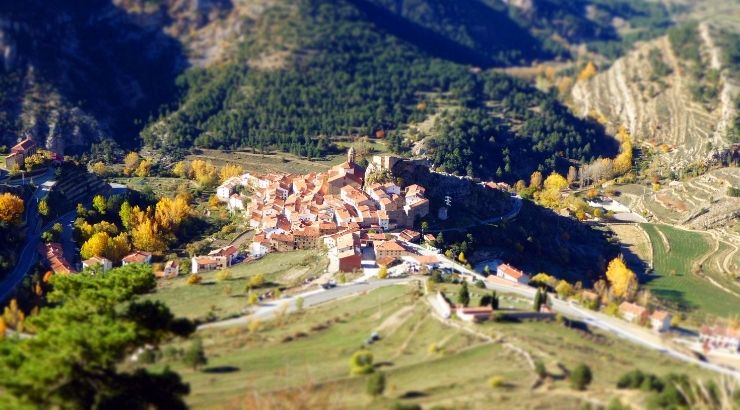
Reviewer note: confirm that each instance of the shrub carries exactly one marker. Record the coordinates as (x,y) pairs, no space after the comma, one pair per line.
(223,274)
(376,384)
(631,380)
(581,377)
(194,279)
(361,362)
(496,382)
(540,369)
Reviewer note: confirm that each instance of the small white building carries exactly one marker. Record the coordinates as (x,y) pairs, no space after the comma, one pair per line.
(473,314)
(224,191)
(227,252)
(98,262)
(259,248)
(511,273)
(137,257)
(660,320)
(207,263)
(720,338)
(171,269)
(632,312)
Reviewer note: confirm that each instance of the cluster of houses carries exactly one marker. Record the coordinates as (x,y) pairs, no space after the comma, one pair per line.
(333,209)
(103,264)
(659,320)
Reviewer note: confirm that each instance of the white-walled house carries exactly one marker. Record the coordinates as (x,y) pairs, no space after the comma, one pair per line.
(98,261)
(660,320)
(511,273)
(137,257)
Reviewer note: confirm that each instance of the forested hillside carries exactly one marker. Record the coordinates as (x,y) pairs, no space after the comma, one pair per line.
(347,75)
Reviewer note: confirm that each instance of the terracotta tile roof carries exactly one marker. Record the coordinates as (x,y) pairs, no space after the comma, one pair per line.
(510,271)
(660,315)
(137,257)
(392,245)
(627,307)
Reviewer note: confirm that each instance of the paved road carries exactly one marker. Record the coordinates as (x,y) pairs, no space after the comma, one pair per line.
(266,311)
(610,324)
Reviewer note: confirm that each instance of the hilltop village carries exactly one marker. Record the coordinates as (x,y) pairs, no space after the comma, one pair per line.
(328,209)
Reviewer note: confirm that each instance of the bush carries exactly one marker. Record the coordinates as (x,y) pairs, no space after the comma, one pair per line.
(376,384)
(496,382)
(223,274)
(361,362)
(194,279)
(581,377)
(631,380)
(540,369)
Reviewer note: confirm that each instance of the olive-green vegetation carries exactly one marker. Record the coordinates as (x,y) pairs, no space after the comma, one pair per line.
(686,43)
(424,361)
(350,77)
(92,324)
(675,278)
(592,22)
(213,298)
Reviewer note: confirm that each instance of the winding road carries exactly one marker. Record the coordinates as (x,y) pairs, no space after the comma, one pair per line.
(620,328)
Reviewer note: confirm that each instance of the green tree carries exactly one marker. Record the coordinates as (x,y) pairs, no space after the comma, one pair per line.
(538,300)
(195,356)
(463,295)
(494,300)
(126,214)
(81,339)
(376,384)
(581,377)
(299,303)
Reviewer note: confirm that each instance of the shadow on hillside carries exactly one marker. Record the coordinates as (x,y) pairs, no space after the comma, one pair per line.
(497,39)
(118,66)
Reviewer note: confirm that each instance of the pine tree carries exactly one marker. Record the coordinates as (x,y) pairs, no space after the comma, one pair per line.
(195,357)
(463,296)
(537,300)
(494,300)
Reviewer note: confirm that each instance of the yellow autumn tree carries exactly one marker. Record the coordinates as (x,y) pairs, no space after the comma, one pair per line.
(623,162)
(3,328)
(43,207)
(97,245)
(230,170)
(11,208)
(118,247)
(99,169)
(204,172)
(13,316)
(147,236)
(182,169)
(572,174)
(589,71)
(130,161)
(535,180)
(622,280)
(143,169)
(169,213)
(556,182)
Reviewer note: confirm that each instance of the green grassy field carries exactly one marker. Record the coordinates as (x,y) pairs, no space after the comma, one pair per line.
(673,279)
(303,359)
(228,297)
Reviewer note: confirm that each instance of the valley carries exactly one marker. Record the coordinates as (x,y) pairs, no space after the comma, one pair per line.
(370,204)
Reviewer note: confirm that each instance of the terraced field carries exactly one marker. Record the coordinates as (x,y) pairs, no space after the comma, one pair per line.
(683,279)
(658,107)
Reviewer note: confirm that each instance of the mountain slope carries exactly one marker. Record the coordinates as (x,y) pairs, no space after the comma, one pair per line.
(663,97)
(340,74)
